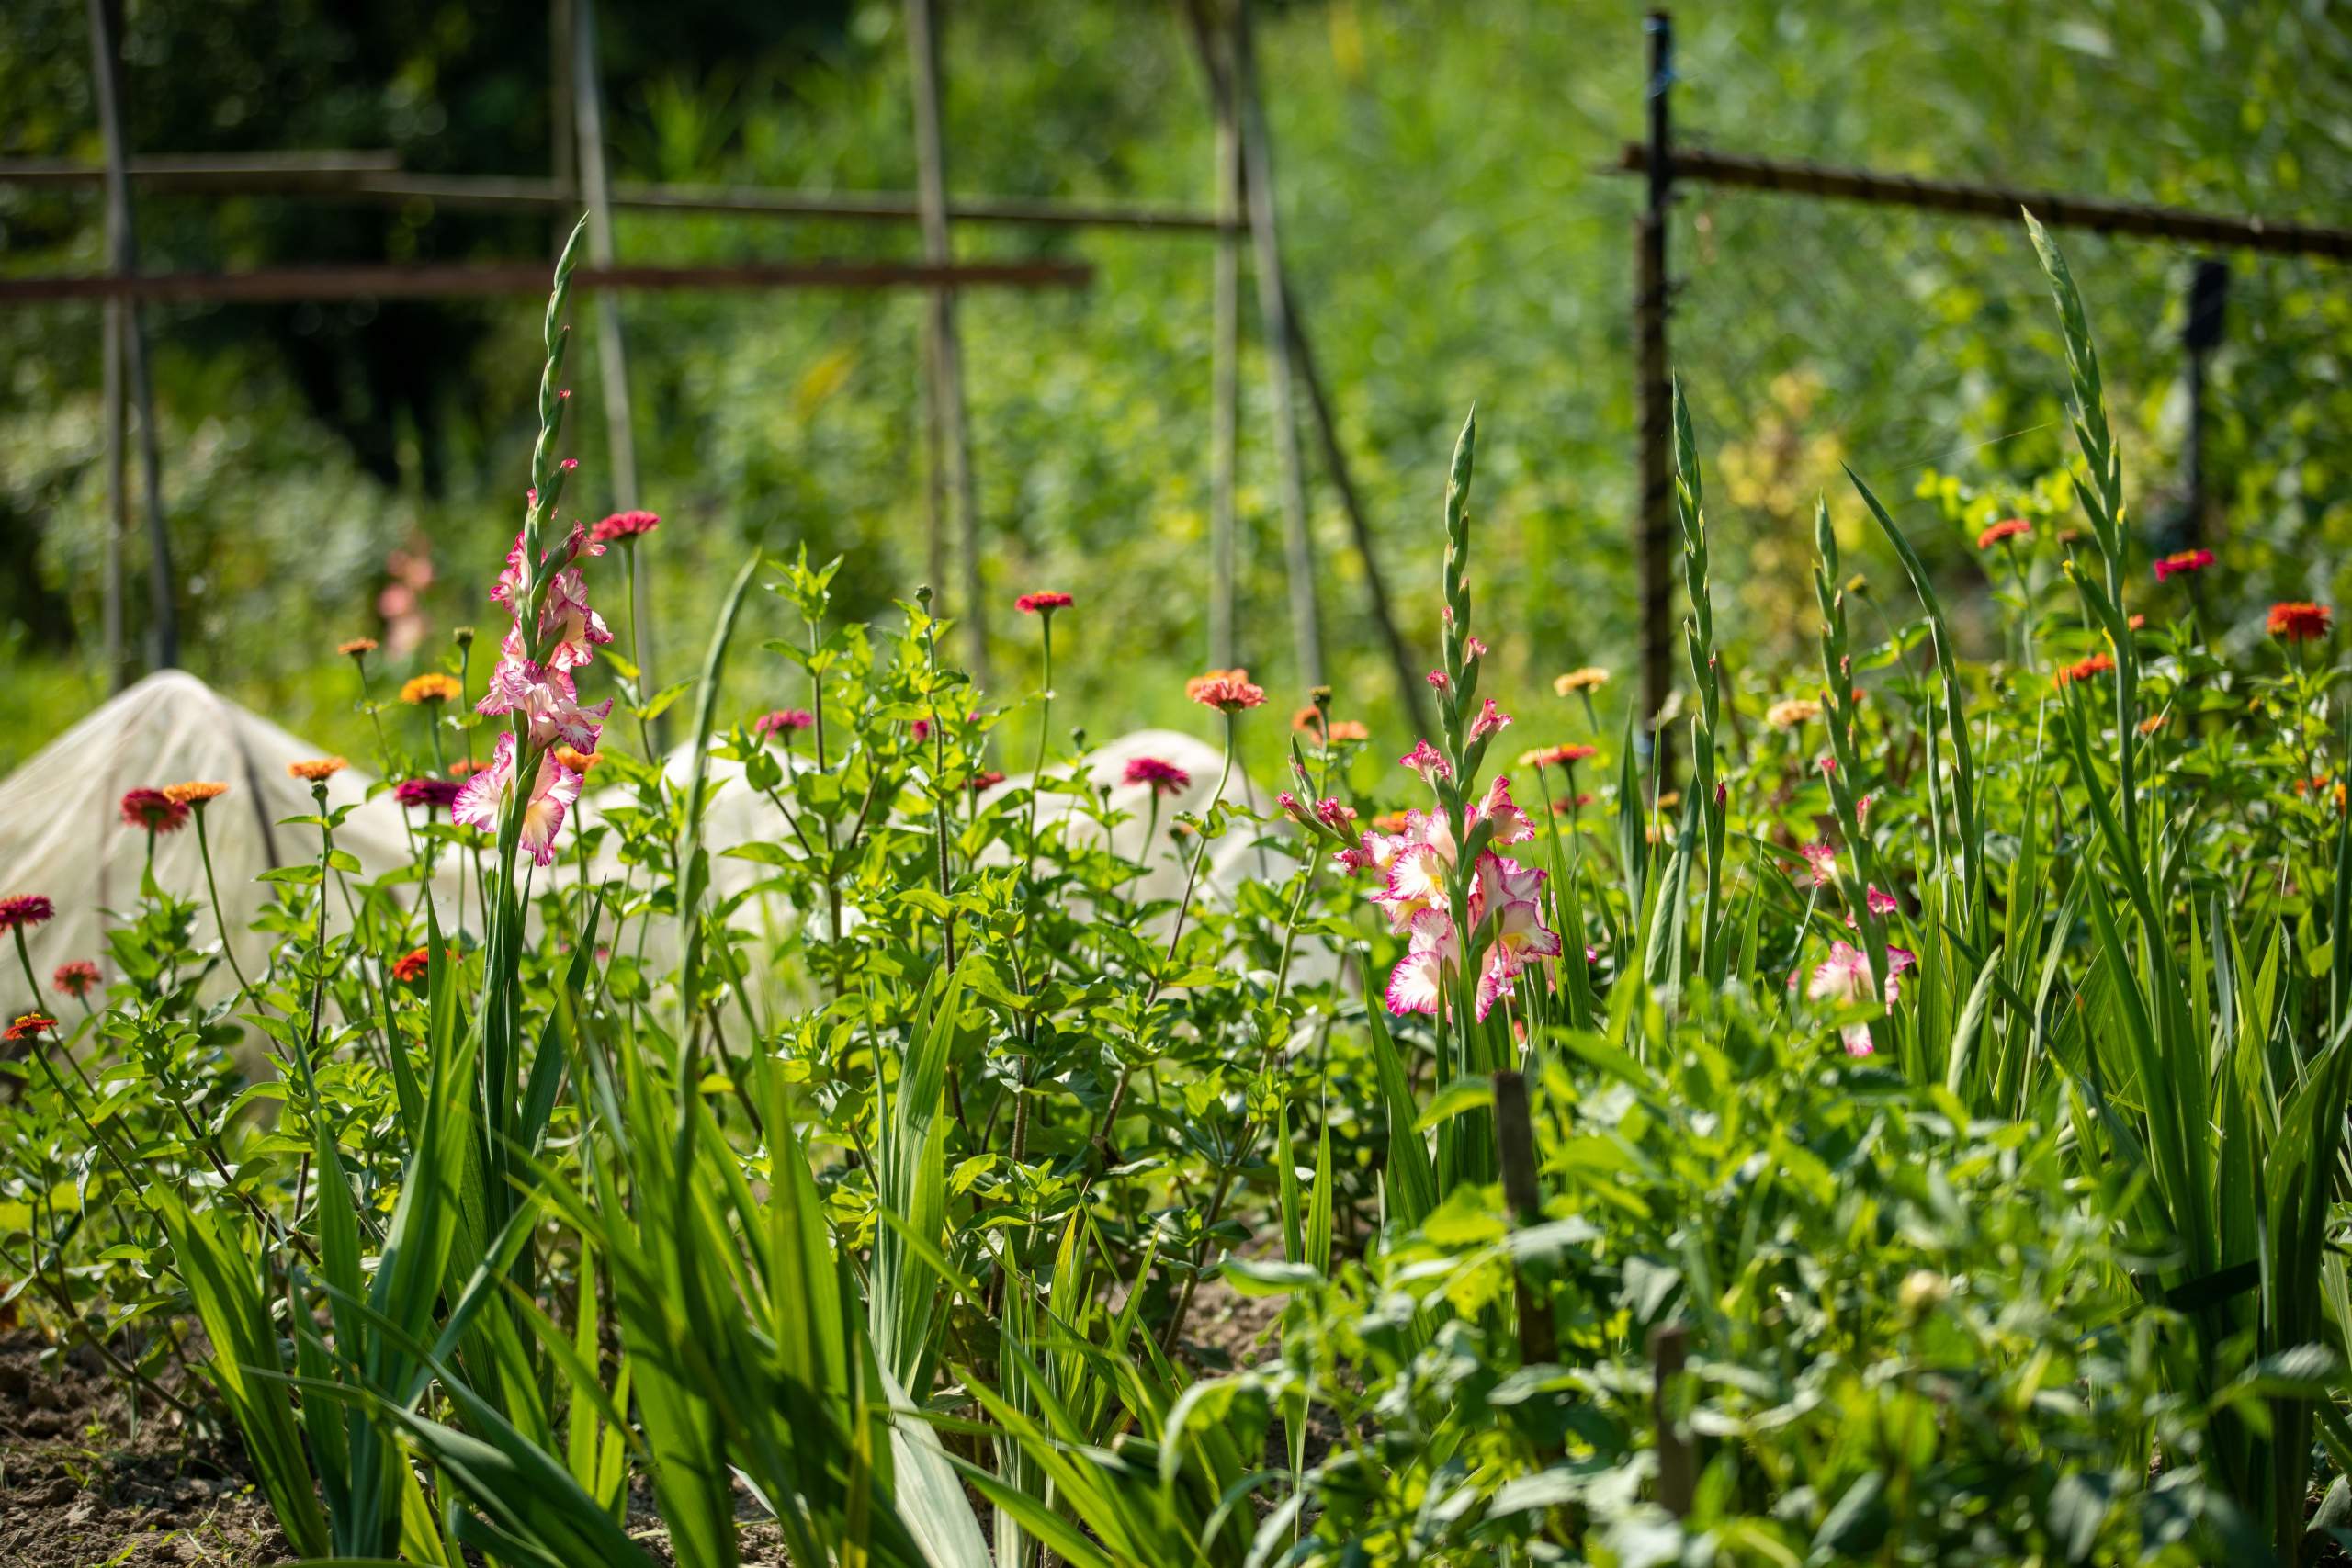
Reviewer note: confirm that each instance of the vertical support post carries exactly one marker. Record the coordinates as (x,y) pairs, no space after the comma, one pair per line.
(1224,354)
(127,349)
(1273,314)
(1678,1471)
(2209,290)
(563,140)
(612,346)
(117,316)
(1515,1153)
(1653,529)
(1410,688)
(952,450)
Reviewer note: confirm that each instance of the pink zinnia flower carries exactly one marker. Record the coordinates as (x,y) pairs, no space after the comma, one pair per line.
(624,527)
(920,730)
(1165,777)
(1227,691)
(20,910)
(153,810)
(433,795)
(2181,561)
(1845,979)
(1424,759)
(75,978)
(1042,604)
(1490,720)
(786,720)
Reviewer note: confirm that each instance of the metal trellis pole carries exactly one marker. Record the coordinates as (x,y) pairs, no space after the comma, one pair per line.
(126,370)
(1654,527)
(612,346)
(952,450)
(1274,314)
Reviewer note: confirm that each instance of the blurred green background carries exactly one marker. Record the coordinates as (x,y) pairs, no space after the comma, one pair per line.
(1448,230)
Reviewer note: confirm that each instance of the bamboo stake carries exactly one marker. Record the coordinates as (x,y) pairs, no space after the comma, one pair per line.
(1676,1465)
(946,350)
(612,345)
(128,343)
(1273,312)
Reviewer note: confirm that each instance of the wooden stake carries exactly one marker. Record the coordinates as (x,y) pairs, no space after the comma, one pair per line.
(1515,1153)
(945,353)
(1274,314)
(1676,1466)
(612,346)
(128,350)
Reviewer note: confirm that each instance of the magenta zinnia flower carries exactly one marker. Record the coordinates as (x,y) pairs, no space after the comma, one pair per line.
(153,810)
(1164,777)
(433,795)
(1042,604)
(783,721)
(20,910)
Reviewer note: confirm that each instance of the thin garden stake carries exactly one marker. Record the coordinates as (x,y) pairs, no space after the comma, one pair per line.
(1515,1152)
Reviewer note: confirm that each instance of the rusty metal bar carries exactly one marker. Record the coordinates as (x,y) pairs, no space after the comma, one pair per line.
(211,172)
(456,280)
(2052,208)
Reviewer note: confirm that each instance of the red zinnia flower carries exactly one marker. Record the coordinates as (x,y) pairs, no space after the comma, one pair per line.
(2083,669)
(28,1026)
(21,909)
(624,526)
(2186,560)
(1227,691)
(409,968)
(75,978)
(1042,604)
(785,720)
(2007,528)
(153,810)
(2300,622)
(987,779)
(1555,756)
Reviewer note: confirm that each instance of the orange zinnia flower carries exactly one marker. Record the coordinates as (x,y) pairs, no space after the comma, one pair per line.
(316,770)
(432,687)
(2297,621)
(2083,669)
(195,792)
(356,647)
(2007,528)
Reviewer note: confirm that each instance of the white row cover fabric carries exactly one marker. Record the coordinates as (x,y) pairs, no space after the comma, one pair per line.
(63,837)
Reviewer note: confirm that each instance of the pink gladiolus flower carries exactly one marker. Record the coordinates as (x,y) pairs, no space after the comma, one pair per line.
(1419,980)
(1512,826)
(549,703)
(1424,759)
(1844,977)
(1490,720)
(1437,679)
(1473,649)
(1823,862)
(553,790)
